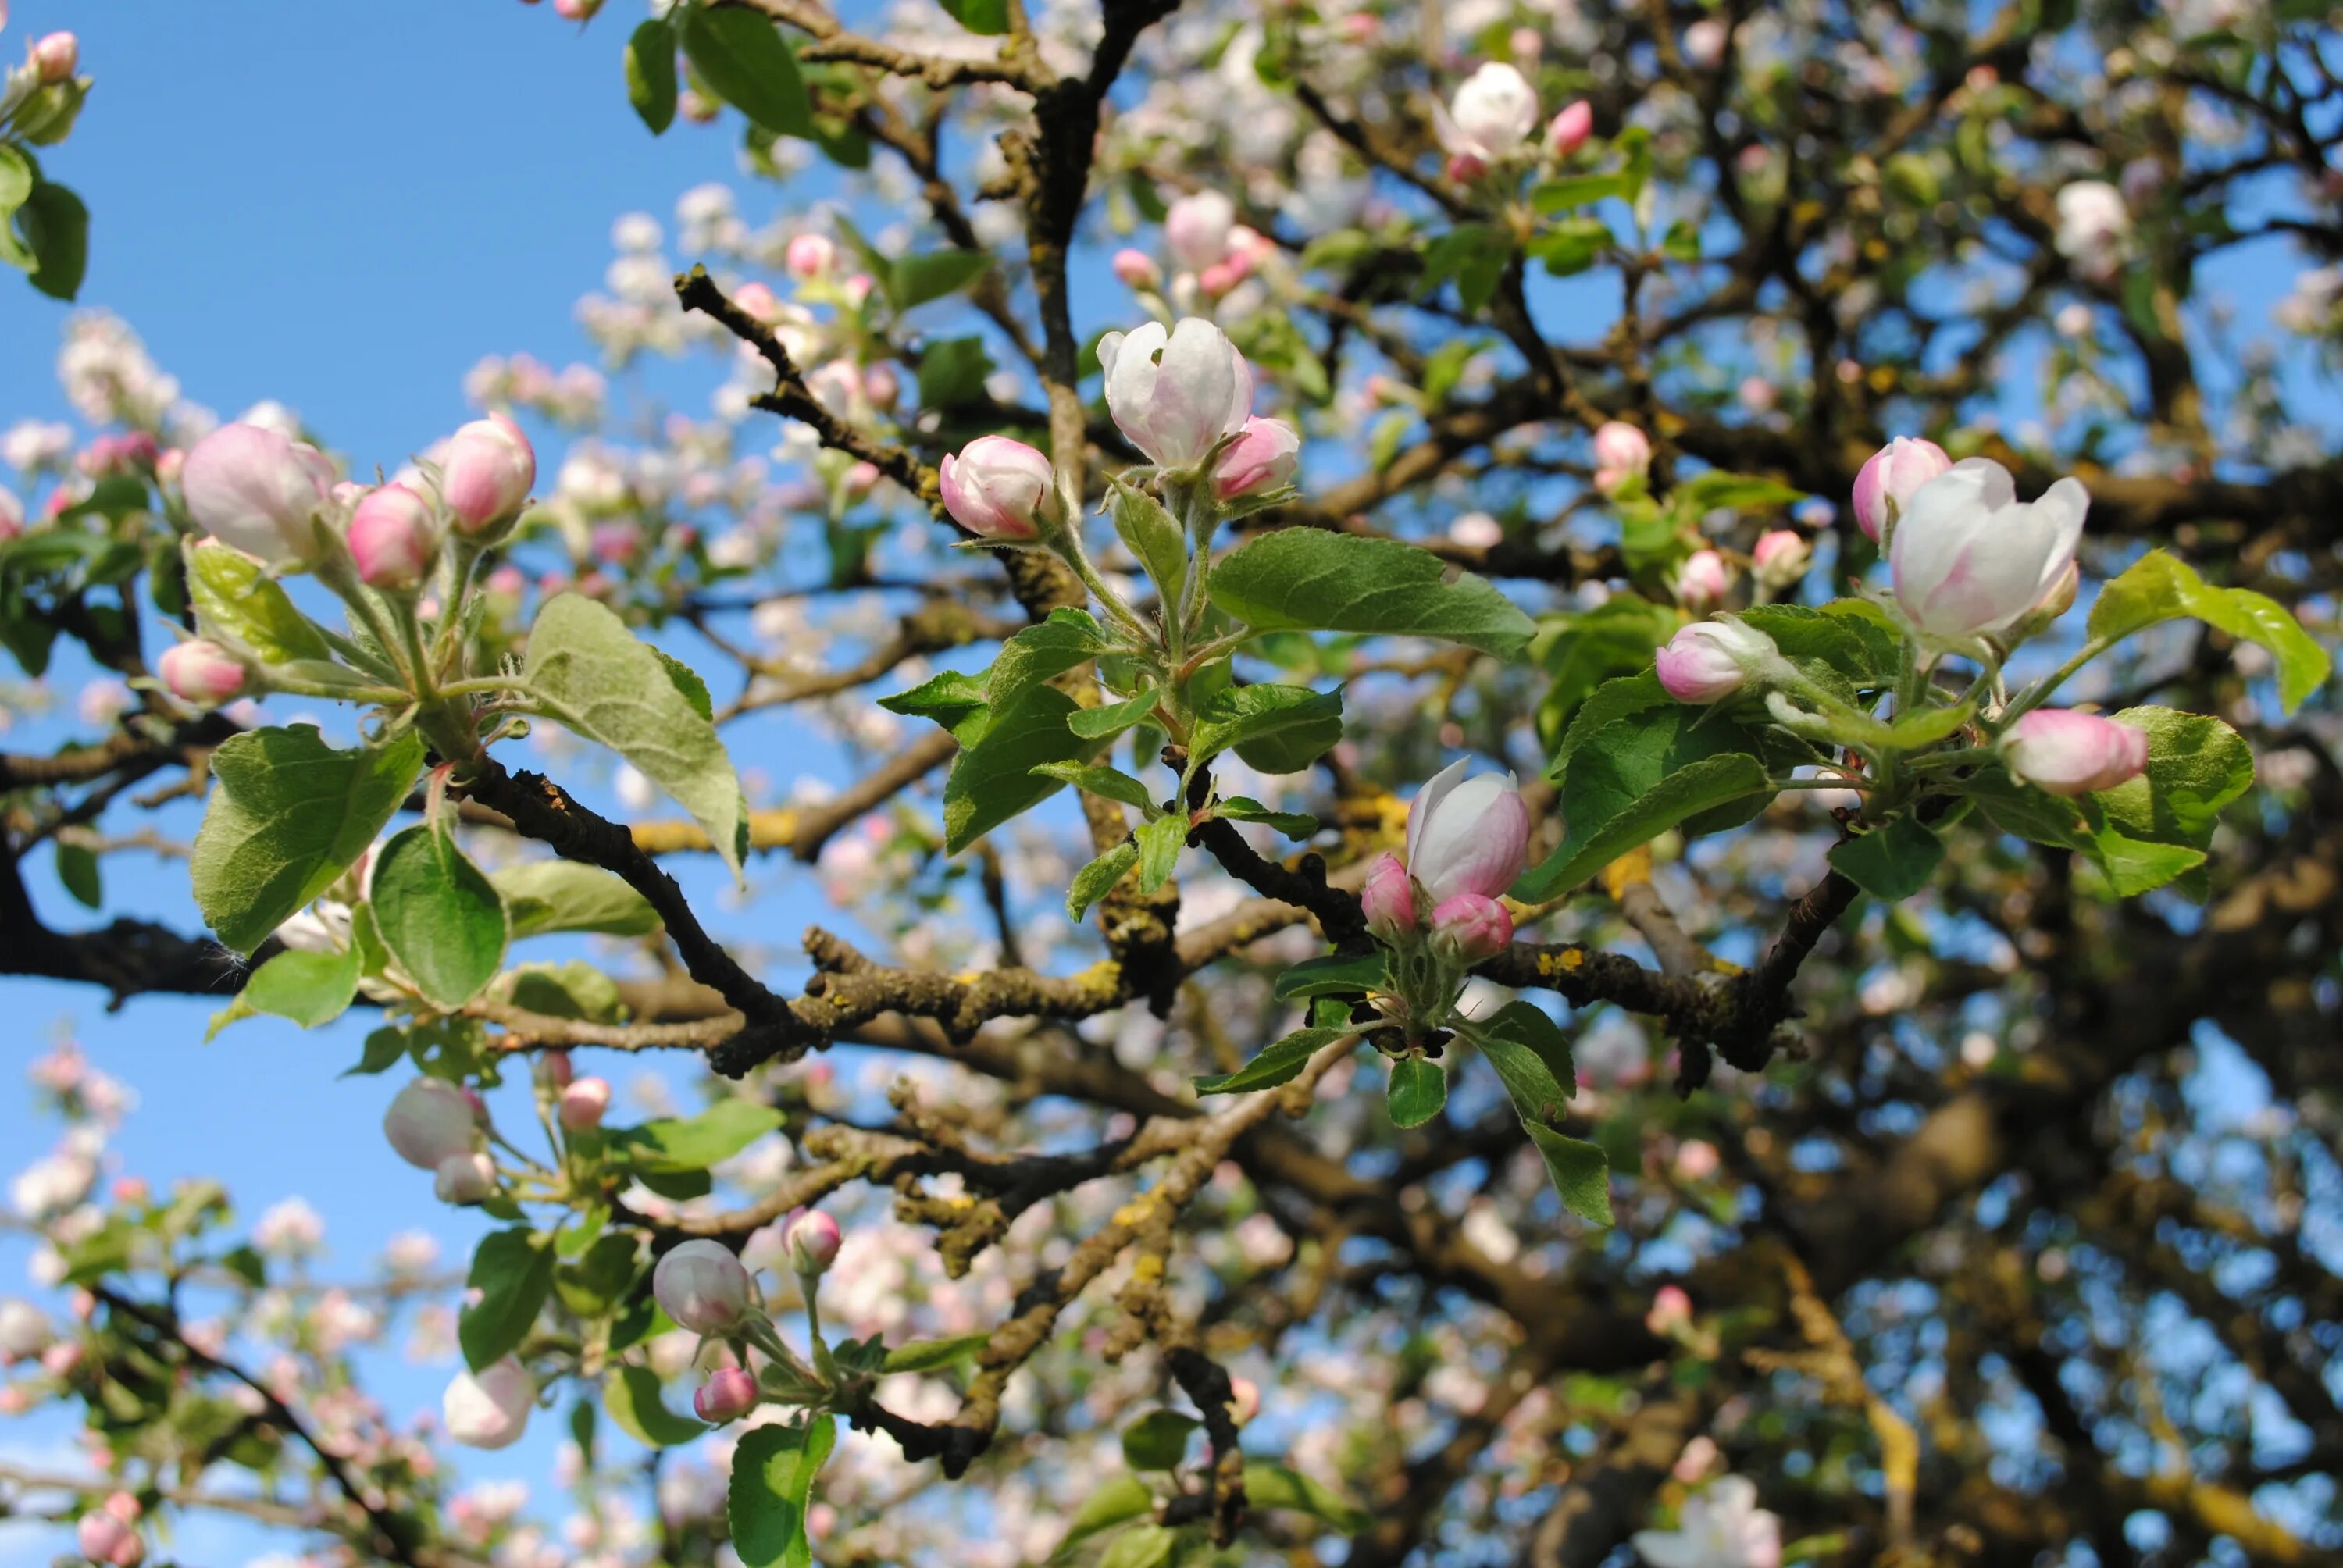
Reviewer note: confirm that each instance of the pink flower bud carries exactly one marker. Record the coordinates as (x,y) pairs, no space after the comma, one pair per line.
(491,1408)
(1709,661)
(858,288)
(1244,1400)
(394,535)
(703,1287)
(1781,557)
(1467,835)
(464,1179)
(1671,1311)
(1968,558)
(1463,168)
(1388,899)
(256,491)
(62,1359)
(1222,275)
(1137,270)
(557,1069)
(583,1103)
(1704,580)
(882,386)
(813,1242)
(729,1393)
(1696,1161)
(996,488)
(124,1506)
(55,55)
(1568,131)
(201,672)
(12,515)
(429,1122)
(758,302)
(1264,457)
(1471,927)
(105,1539)
(1620,452)
(1889,478)
(2070,753)
(861,480)
(1196,228)
(1175,394)
(487,471)
(811,255)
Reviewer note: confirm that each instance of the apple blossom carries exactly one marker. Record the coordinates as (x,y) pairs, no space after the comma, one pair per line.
(813,1242)
(393,534)
(1467,835)
(2094,224)
(201,672)
(491,1408)
(1671,1310)
(811,255)
(429,1122)
(1492,113)
(1568,131)
(1196,228)
(464,1179)
(2070,753)
(584,1101)
(258,491)
(1175,394)
(998,488)
(1969,559)
(1137,270)
(55,55)
(105,1539)
(1470,928)
(1709,661)
(25,1331)
(1387,899)
(558,1072)
(1720,1527)
(1704,580)
(1244,1400)
(729,1393)
(1621,452)
(703,1287)
(1265,457)
(1890,477)
(1781,557)
(487,473)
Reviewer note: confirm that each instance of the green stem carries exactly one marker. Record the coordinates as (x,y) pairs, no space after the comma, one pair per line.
(2034,695)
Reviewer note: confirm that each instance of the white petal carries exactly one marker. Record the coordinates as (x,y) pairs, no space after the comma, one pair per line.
(1427,801)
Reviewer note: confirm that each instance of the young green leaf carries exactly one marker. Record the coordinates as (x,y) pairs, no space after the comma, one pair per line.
(950,697)
(1419,1088)
(1532,1056)
(1279,1062)
(308,988)
(650,74)
(1050,648)
(1275,1486)
(914,280)
(1580,1172)
(54,225)
(1244,809)
(1118,1501)
(513,1272)
(238,603)
(438,916)
(2158,587)
(773,1473)
(1275,728)
(740,55)
(1333,974)
(696,1143)
(1158,1440)
(1891,862)
(1111,782)
(1306,579)
(1707,785)
(1098,878)
(989,17)
(77,871)
(933,1355)
(993,779)
(541,896)
(1153,535)
(1110,719)
(633,1398)
(1159,843)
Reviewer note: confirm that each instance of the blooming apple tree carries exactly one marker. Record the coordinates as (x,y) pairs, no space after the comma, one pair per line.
(1550,720)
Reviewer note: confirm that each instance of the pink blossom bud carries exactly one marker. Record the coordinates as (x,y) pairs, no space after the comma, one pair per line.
(616,543)
(55,55)
(557,1069)
(429,1122)
(1704,580)
(394,535)
(1264,457)
(2070,753)
(1467,835)
(1137,270)
(201,672)
(509,581)
(1222,275)
(583,1103)
(882,386)
(1568,131)
(811,255)
(1196,228)
(1671,1311)
(464,1179)
(758,303)
(1889,478)
(703,1287)
(858,288)
(996,488)
(487,471)
(1463,168)
(1471,927)
(1968,558)
(1709,661)
(491,1408)
(1620,452)
(1388,899)
(861,480)
(1781,557)
(258,490)
(1175,394)
(62,1359)
(813,1242)
(105,1539)
(1244,1400)
(1696,1161)
(124,1506)
(729,1393)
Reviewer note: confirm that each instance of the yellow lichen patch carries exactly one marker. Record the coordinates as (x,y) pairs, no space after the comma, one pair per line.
(767,830)
(1635,866)
(1148,1267)
(1133,1215)
(1567,961)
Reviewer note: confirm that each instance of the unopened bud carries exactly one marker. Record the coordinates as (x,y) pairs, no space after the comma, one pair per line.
(201,672)
(1781,557)
(998,488)
(1137,270)
(1709,661)
(488,468)
(729,1393)
(813,1242)
(1388,899)
(491,1408)
(394,535)
(583,1103)
(1568,131)
(1263,457)
(429,1122)
(464,1179)
(703,1287)
(1471,926)
(55,55)
(811,255)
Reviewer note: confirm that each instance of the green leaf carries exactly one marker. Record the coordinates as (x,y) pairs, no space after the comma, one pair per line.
(1145,1546)
(1571,244)
(1847,637)
(1279,1062)
(1419,1088)
(571,990)
(17,179)
(933,1355)
(989,17)
(1891,862)
(2159,587)
(687,680)
(1585,649)
(593,1284)
(650,74)
(1068,638)
(77,871)
(2195,766)
(1532,1056)
(1580,1173)
(914,280)
(1704,786)
(1098,878)
(740,55)
(696,1143)
(438,916)
(1307,579)
(1716,489)
(1244,809)
(949,698)
(384,1049)
(541,896)
(1275,728)
(310,989)
(993,779)
(1153,535)
(1159,843)
(596,678)
(54,226)
(288,815)
(513,1272)
(1110,719)
(237,603)
(953,373)
(1575,191)
(1111,782)
(1336,974)
(1116,1502)
(1275,1486)
(773,1473)
(1158,1440)
(1473,256)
